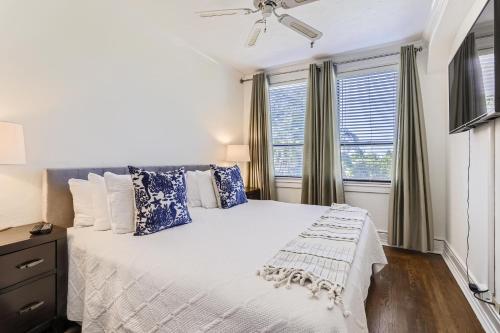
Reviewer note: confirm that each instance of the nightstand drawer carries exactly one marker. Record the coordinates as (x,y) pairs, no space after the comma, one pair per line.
(24,264)
(253,193)
(28,306)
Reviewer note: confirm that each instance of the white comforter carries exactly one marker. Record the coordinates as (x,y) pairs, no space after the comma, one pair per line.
(201,277)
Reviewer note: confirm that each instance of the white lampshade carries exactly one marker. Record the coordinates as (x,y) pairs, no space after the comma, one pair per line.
(238,153)
(12,144)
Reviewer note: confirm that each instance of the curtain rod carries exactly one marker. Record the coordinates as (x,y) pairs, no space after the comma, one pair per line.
(418,49)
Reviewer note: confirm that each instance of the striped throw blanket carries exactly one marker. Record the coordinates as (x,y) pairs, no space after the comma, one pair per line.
(321,256)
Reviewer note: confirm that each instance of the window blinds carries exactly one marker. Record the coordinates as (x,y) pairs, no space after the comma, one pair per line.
(367,112)
(288,107)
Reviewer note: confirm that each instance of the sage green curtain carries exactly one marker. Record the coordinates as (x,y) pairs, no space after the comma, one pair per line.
(410,212)
(261,173)
(322,173)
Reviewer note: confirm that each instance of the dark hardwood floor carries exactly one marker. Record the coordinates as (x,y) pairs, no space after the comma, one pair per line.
(416,292)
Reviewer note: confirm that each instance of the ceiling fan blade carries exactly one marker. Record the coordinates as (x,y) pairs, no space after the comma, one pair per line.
(287,4)
(300,27)
(225,12)
(257,30)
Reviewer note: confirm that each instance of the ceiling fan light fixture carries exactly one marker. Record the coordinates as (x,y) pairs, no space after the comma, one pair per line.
(267,11)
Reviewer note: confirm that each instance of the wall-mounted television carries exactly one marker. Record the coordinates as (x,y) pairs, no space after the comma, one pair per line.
(473,74)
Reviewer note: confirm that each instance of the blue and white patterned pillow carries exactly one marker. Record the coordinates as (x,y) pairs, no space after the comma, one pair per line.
(229,185)
(160,200)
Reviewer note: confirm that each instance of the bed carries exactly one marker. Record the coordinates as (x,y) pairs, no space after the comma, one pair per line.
(201,277)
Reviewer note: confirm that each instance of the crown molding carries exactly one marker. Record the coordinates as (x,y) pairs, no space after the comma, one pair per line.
(437,11)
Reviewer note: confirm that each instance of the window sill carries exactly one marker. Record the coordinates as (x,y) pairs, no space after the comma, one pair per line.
(367,187)
(349,186)
(288,182)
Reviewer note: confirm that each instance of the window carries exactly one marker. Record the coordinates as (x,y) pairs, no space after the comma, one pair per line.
(367,112)
(487,61)
(288,107)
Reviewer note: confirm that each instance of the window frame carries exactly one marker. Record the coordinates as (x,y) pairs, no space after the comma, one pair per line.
(360,72)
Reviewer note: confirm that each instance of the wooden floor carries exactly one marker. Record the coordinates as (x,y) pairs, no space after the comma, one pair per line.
(417,293)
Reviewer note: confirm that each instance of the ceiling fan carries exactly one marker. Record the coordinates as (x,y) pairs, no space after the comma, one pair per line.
(267,8)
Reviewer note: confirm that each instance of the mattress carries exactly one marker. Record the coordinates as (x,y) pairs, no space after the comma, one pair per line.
(201,277)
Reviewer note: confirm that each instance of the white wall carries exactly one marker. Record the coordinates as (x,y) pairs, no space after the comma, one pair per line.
(456,21)
(106,84)
(479,197)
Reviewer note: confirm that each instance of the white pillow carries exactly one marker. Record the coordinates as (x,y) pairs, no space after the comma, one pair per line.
(216,190)
(193,191)
(121,205)
(206,188)
(81,190)
(102,220)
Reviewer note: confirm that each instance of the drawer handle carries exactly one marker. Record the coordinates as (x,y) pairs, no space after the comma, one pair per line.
(31,307)
(29,264)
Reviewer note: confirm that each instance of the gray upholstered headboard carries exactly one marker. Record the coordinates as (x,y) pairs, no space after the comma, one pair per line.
(58,199)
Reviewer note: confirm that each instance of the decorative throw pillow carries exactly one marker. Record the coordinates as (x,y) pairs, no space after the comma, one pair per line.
(160,200)
(229,185)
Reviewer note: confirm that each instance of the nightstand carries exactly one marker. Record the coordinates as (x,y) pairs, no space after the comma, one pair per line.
(33,279)
(253,193)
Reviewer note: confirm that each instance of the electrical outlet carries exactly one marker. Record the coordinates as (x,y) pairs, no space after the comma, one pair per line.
(482,287)
(485,296)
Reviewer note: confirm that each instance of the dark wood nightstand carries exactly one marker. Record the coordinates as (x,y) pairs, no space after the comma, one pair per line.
(33,279)
(253,193)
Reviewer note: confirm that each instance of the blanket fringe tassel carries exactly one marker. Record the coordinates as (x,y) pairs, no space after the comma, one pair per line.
(287,276)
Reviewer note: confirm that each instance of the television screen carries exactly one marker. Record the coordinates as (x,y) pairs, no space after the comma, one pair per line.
(472,75)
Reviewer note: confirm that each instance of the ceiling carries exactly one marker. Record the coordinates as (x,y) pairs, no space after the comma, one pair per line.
(347,25)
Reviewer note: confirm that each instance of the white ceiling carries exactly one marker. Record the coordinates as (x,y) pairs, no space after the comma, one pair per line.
(347,25)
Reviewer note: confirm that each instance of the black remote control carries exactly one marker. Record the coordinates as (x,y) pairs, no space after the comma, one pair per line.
(41,228)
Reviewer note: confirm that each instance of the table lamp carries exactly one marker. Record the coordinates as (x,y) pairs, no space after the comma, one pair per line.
(12,144)
(238,153)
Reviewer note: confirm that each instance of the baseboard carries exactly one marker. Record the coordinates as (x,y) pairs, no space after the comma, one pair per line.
(438,243)
(489,318)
